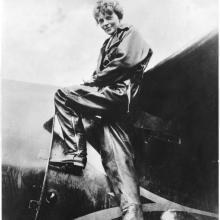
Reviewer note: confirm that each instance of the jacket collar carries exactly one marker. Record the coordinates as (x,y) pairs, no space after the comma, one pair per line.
(123,27)
(116,36)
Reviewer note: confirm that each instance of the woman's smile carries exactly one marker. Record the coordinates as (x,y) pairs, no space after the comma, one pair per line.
(108,29)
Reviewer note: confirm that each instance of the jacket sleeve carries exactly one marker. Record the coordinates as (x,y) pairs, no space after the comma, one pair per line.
(131,51)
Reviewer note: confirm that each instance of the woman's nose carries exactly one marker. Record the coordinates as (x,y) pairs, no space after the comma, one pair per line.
(105,22)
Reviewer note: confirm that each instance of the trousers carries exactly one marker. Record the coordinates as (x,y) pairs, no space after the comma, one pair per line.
(72,105)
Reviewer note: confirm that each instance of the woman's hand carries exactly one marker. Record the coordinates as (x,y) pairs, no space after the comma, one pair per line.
(90,82)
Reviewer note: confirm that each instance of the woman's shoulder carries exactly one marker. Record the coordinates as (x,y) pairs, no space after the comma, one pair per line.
(128,29)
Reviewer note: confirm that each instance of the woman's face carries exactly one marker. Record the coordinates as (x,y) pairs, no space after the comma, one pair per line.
(109,23)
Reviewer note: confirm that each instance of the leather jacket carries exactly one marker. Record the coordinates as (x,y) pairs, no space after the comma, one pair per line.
(119,56)
(122,61)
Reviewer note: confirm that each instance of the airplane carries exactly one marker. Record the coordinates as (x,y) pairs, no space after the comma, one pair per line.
(176,147)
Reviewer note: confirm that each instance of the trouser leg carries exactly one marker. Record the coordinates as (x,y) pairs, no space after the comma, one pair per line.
(71,125)
(117,158)
(71,102)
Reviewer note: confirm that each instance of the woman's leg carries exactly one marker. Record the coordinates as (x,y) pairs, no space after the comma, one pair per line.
(117,158)
(116,149)
(72,102)
(72,129)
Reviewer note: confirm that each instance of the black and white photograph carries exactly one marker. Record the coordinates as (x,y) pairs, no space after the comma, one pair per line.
(110,110)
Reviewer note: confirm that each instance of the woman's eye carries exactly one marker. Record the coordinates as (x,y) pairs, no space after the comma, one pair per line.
(108,18)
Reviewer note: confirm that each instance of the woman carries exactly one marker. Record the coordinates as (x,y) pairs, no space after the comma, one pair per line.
(110,93)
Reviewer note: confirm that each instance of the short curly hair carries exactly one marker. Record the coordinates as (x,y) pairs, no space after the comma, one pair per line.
(107,7)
